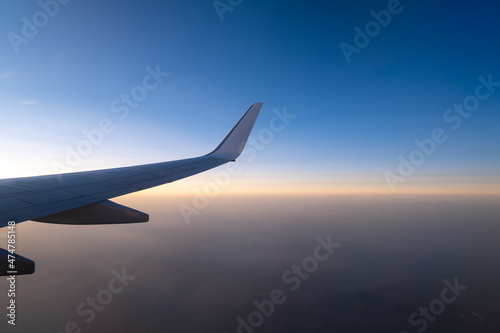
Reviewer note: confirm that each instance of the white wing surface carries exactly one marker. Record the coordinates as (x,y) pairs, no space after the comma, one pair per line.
(56,198)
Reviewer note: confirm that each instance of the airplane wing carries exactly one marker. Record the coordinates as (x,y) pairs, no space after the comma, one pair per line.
(83,197)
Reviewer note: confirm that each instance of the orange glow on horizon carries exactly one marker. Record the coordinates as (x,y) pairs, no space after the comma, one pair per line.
(210,189)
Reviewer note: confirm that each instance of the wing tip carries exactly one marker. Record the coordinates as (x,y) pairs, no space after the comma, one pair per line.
(234,143)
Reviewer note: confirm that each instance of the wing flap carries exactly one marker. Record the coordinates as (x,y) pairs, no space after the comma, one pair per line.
(105,212)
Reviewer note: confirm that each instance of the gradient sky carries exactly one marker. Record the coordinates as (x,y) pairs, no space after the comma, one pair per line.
(353,120)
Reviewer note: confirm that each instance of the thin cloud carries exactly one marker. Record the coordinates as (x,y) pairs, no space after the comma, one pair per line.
(7,75)
(27,102)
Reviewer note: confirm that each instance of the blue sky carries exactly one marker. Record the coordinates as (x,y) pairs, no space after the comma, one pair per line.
(353,120)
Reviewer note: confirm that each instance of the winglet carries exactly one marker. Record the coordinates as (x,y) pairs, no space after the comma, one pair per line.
(232,145)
